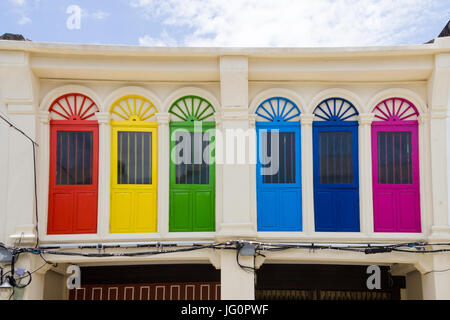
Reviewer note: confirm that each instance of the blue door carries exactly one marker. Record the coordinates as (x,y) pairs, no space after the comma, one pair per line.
(279,199)
(335,154)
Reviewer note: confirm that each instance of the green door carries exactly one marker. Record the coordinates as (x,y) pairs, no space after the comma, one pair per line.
(192,173)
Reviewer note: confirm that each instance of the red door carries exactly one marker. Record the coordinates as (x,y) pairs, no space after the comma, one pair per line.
(73,185)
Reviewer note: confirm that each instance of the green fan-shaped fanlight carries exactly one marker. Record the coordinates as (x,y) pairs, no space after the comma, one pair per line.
(192,108)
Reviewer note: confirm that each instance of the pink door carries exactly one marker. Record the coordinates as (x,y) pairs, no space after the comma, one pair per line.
(395,165)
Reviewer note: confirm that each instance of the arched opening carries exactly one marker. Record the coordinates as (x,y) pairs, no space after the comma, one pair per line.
(278,170)
(192,167)
(335,156)
(395,165)
(134,166)
(73,185)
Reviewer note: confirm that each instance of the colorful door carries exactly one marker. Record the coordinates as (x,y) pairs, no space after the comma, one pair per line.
(73,184)
(395,165)
(279,196)
(336,183)
(134,166)
(192,168)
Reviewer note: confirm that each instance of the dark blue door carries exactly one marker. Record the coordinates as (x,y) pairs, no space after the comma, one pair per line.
(336,183)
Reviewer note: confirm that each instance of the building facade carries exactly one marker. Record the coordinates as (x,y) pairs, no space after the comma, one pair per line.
(361,137)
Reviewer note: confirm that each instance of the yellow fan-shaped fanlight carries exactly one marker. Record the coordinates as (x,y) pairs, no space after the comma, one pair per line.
(133,108)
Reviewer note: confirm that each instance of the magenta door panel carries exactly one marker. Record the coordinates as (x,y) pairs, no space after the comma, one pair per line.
(383,209)
(396,187)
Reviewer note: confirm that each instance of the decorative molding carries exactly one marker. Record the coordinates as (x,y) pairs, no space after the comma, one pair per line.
(277,92)
(70,88)
(335,93)
(163,118)
(103,117)
(44,117)
(306,119)
(438,114)
(424,118)
(366,118)
(108,103)
(413,97)
(177,94)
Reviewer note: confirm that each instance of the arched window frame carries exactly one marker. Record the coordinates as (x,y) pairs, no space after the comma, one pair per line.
(134,206)
(336,204)
(73,204)
(192,205)
(393,115)
(279,205)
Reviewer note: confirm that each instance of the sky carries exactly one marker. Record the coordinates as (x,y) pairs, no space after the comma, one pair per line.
(227,23)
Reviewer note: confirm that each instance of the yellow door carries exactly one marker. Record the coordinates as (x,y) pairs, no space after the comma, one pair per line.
(134,169)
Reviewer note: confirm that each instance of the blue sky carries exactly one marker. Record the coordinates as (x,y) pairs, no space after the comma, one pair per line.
(247,23)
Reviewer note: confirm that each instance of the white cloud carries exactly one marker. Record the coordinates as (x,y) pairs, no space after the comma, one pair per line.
(164,40)
(100,15)
(24,20)
(293,22)
(19,3)
(96,15)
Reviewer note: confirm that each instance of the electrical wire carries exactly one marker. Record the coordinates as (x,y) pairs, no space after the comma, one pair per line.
(259,247)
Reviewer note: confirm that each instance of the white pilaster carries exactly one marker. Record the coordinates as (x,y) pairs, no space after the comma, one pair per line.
(21,200)
(43,169)
(236,283)
(365,173)
(163,172)
(104,162)
(306,121)
(438,126)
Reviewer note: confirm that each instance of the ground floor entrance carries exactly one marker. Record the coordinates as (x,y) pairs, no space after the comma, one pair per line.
(202,282)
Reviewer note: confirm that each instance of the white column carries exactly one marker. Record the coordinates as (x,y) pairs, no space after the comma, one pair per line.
(219,173)
(365,172)
(306,121)
(253,188)
(426,191)
(104,163)
(35,290)
(43,169)
(163,172)
(236,283)
(21,200)
(436,281)
(236,177)
(438,129)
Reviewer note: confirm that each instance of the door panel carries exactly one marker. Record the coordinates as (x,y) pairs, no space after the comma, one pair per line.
(268,210)
(121,211)
(384,203)
(290,201)
(324,203)
(62,212)
(203,210)
(86,206)
(345,202)
(279,203)
(146,213)
(181,210)
(407,203)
